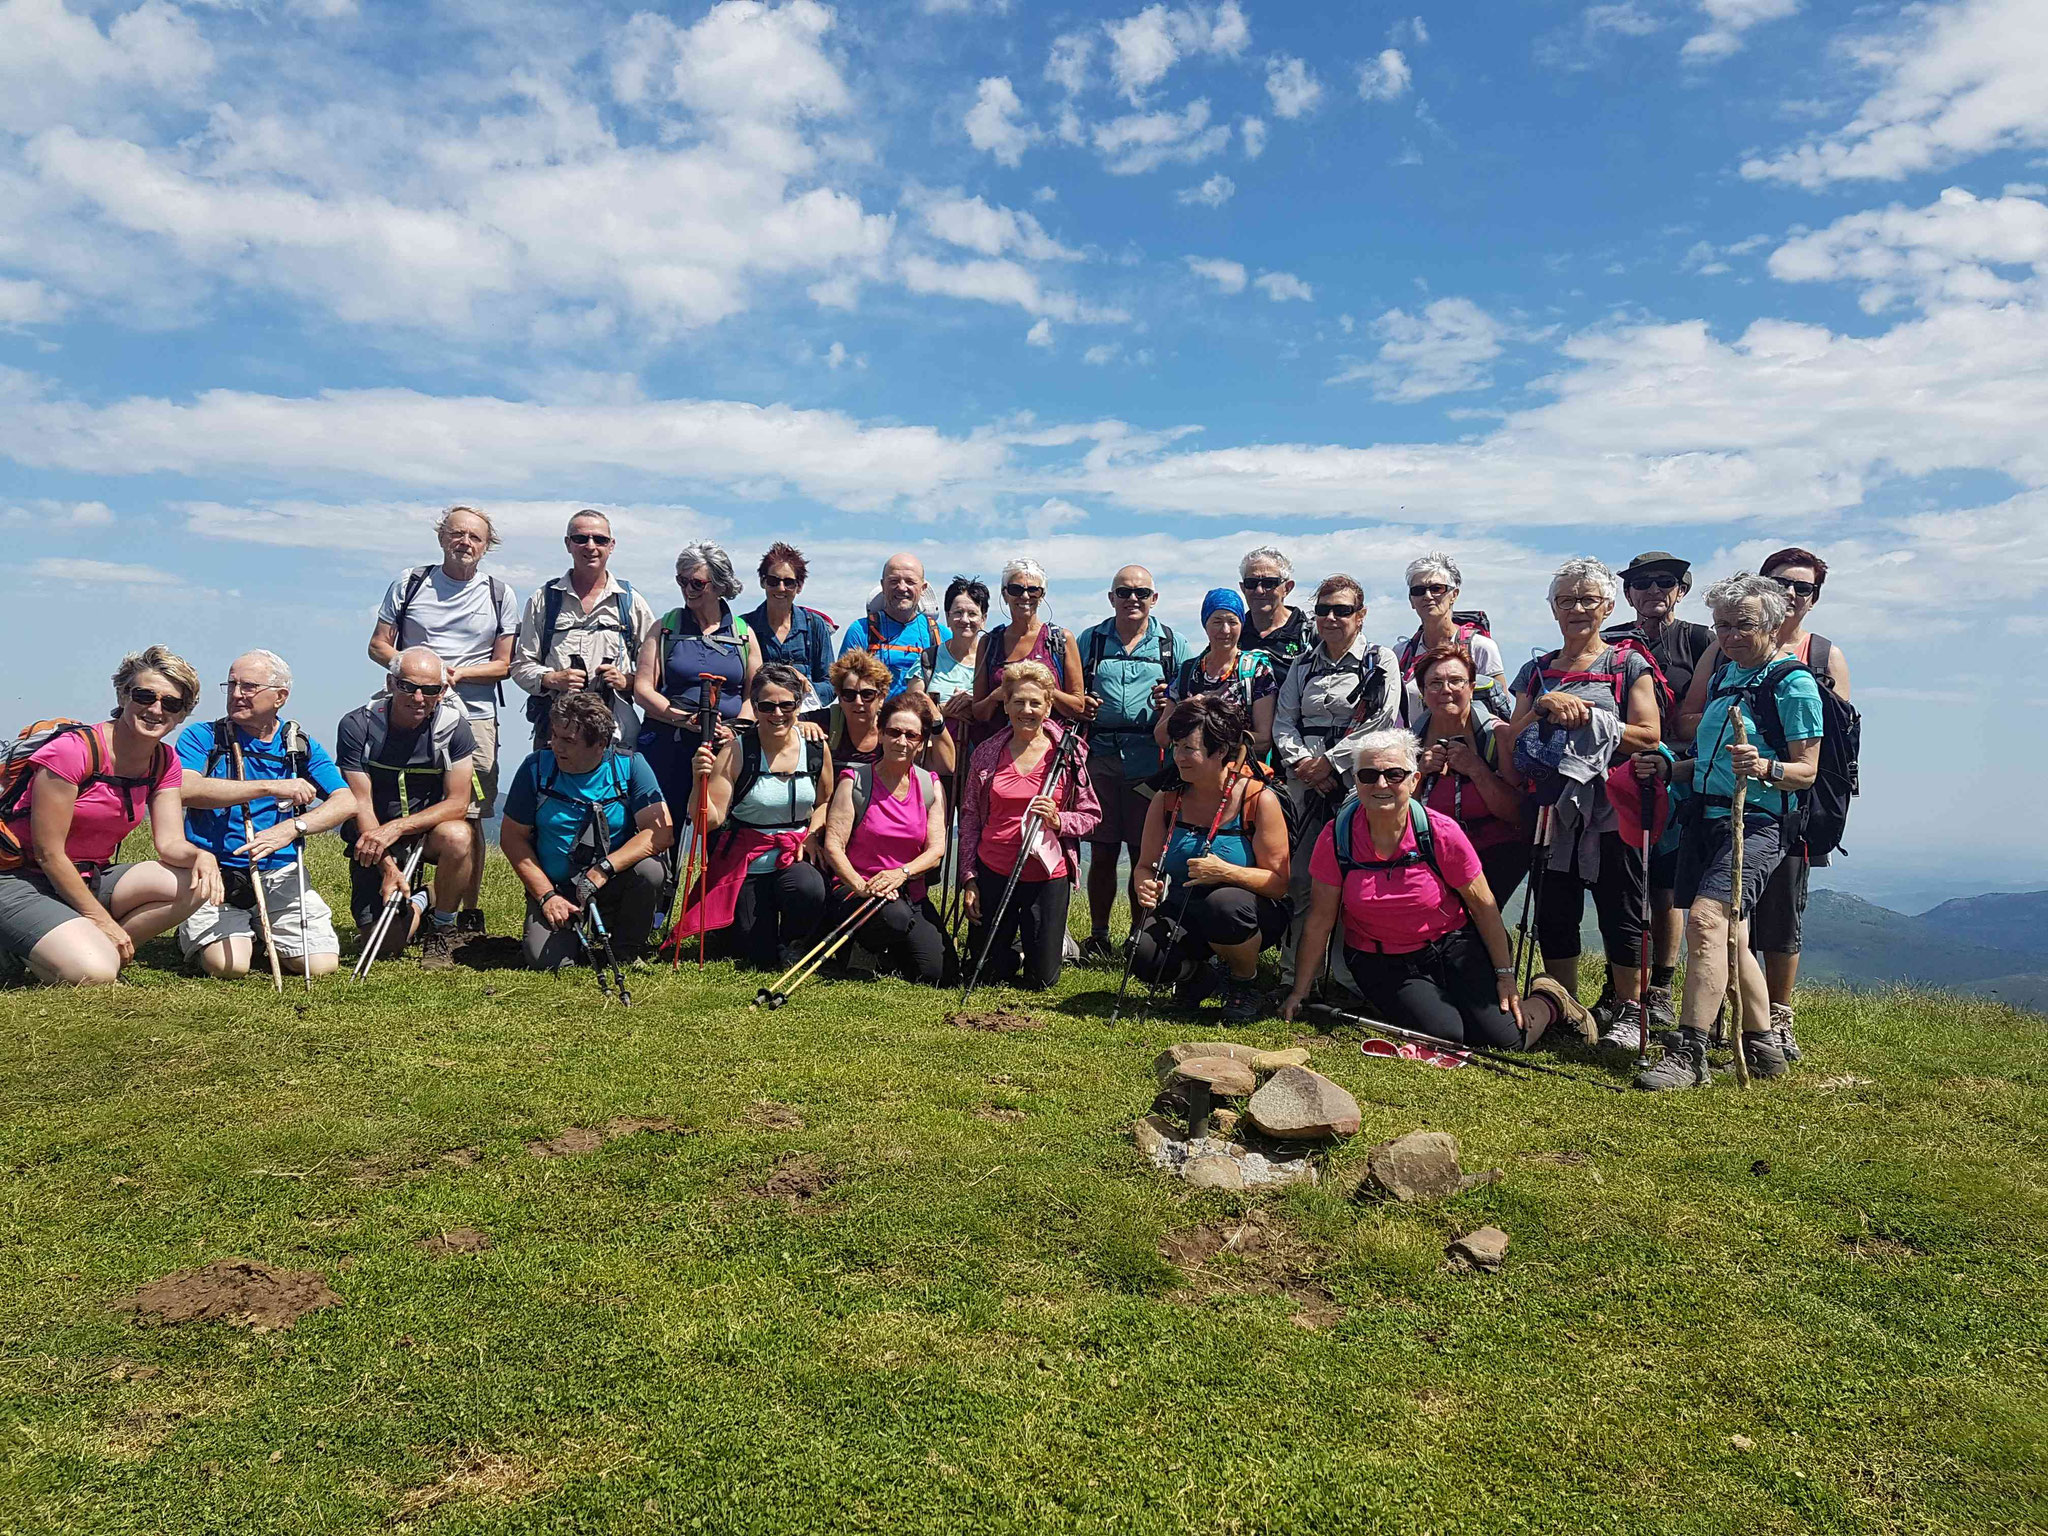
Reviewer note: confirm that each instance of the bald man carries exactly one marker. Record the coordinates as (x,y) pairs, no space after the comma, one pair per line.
(896,630)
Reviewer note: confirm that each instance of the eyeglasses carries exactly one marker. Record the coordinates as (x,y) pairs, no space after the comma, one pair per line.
(1664,582)
(236,685)
(1584,602)
(1125,594)
(1337,610)
(861,695)
(1013,590)
(147,698)
(1368,777)
(420,690)
(779,583)
(1797,588)
(775,706)
(1428,589)
(900,734)
(599,539)
(1263,583)
(1744,628)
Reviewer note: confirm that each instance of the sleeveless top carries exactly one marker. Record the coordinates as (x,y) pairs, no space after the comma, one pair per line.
(688,650)
(776,802)
(993,664)
(1233,844)
(892,833)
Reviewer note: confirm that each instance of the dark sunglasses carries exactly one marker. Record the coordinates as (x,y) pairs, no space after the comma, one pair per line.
(860,695)
(1125,594)
(1336,610)
(1797,588)
(899,733)
(695,583)
(1013,590)
(1428,589)
(1665,582)
(775,706)
(146,698)
(422,690)
(777,583)
(1368,777)
(1263,583)
(599,539)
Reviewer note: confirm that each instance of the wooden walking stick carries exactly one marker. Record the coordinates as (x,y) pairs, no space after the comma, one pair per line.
(1735,945)
(256,874)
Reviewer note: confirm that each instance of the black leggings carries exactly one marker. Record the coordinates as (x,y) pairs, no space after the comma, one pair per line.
(1216,915)
(779,915)
(1037,914)
(1444,989)
(903,932)
(1618,897)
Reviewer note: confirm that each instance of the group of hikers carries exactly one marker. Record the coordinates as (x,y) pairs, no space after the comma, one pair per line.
(919,788)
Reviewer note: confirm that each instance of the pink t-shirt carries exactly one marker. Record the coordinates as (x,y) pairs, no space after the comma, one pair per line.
(893,831)
(1400,909)
(105,812)
(1002,833)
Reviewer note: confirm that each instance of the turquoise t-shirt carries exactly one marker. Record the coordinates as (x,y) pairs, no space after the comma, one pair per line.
(558,817)
(1799,712)
(1124,680)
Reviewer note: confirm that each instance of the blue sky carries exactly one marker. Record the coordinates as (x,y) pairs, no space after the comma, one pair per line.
(280,279)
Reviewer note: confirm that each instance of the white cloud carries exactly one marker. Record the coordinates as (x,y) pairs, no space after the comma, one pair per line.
(1144,47)
(1145,141)
(1292,86)
(1955,81)
(1411,32)
(1213,193)
(1066,64)
(972,224)
(1100,355)
(1281,286)
(999,282)
(57,66)
(1445,349)
(1254,131)
(29,303)
(47,512)
(103,573)
(1385,78)
(995,123)
(1040,334)
(1727,21)
(1229,276)
(1947,252)
(837,357)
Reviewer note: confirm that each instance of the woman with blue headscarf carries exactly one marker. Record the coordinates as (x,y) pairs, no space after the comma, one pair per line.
(1246,676)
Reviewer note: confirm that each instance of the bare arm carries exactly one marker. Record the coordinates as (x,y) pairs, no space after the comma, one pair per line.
(495,670)
(838,828)
(725,773)
(646,674)
(384,643)
(654,832)
(515,841)
(1644,729)
(1694,704)
(1838,672)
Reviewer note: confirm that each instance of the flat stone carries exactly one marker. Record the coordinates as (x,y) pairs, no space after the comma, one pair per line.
(1213,1173)
(1273,1061)
(1174,1055)
(1423,1165)
(1224,1078)
(1295,1104)
(1153,1133)
(1222,1122)
(1485,1249)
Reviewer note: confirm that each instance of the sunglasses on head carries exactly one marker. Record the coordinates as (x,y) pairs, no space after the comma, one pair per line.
(1125,594)
(421,690)
(599,539)
(1428,589)
(1337,610)
(1368,777)
(1797,588)
(148,698)
(1263,583)
(1663,581)
(1013,590)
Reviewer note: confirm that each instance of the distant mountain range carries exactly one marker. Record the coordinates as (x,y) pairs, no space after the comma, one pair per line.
(1994,945)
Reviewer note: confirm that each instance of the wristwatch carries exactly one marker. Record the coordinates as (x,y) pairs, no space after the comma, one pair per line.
(298,826)
(1776,771)
(1503,970)
(606,866)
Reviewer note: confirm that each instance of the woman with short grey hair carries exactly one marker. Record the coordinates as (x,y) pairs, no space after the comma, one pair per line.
(703,638)
(1434,582)
(713,560)
(1027,636)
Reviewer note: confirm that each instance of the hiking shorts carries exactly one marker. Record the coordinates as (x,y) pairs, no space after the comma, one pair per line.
(1123,808)
(1781,909)
(31,909)
(483,800)
(299,931)
(1706,860)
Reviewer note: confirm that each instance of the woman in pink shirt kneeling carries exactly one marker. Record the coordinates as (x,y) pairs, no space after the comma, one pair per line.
(884,832)
(1422,934)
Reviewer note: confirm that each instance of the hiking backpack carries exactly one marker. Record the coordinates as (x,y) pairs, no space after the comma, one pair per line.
(1815,818)
(863,775)
(751,770)
(539,704)
(1091,660)
(16,779)
(1424,851)
(417,579)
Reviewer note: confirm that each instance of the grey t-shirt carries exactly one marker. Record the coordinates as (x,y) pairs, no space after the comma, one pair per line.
(459,621)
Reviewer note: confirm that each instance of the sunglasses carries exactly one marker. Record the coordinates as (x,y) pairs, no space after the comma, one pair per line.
(419,690)
(1797,588)
(1013,590)
(899,733)
(779,583)
(599,539)
(1263,583)
(695,583)
(1337,610)
(861,695)
(1428,589)
(149,698)
(775,706)
(1368,777)
(1663,583)
(1125,594)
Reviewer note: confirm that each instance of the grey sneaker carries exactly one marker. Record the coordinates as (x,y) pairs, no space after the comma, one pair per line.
(1242,1000)
(1684,1065)
(436,953)
(1624,1031)
(1781,1026)
(1765,1056)
(1663,1015)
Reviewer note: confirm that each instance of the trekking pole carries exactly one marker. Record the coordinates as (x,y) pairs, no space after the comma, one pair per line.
(1735,812)
(851,920)
(1485,1056)
(295,758)
(1649,923)
(601,953)
(1061,759)
(256,873)
(392,903)
(825,952)
(1539,856)
(698,855)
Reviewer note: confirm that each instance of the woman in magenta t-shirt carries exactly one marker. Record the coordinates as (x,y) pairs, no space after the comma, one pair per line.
(888,849)
(71,912)
(1419,940)
(1468,767)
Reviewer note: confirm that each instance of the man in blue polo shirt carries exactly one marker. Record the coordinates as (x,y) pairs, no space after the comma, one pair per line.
(896,631)
(282,773)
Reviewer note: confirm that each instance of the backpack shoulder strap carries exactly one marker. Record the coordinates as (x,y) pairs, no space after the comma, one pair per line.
(550,616)
(1340,837)
(1091,655)
(413,583)
(1818,656)
(750,766)
(625,602)
(863,794)
(223,744)
(1166,652)
(1425,837)
(814,763)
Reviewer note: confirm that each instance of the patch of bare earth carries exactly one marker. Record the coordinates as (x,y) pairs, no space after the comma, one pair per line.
(238,1291)
(483,1479)
(994,1021)
(577,1140)
(797,1180)
(772,1116)
(999,1114)
(1254,1255)
(461,1157)
(457,1240)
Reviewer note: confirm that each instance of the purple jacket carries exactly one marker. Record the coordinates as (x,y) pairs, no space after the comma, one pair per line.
(1080,810)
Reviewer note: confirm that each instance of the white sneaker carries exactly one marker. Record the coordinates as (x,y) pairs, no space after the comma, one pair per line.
(1624,1032)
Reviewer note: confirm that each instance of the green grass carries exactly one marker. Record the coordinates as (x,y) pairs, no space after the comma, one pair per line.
(975,1328)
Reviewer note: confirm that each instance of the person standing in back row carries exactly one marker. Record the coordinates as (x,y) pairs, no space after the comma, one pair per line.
(1282,634)
(583,630)
(1127,661)
(469,620)
(896,630)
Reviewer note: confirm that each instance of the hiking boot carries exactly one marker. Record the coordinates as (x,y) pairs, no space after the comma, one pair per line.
(1624,1031)
(1765,1056)
(437,952)
(470,921)
(1604,1006)
(1663,1015)
(1242,1000)
(1684,1066)
(1199,985)
(1781,1026)
(1096,949)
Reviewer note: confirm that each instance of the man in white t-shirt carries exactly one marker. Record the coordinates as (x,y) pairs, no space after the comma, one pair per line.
(469,620)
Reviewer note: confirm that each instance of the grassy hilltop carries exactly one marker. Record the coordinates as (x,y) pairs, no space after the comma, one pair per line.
(871,1273)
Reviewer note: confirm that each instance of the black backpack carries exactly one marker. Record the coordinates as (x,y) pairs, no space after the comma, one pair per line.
(1816,817)
(418,579)
(750,766)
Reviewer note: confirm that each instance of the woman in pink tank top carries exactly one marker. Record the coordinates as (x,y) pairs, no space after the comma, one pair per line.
(885,831)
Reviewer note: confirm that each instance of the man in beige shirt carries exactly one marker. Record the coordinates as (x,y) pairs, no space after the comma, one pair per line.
(583,630)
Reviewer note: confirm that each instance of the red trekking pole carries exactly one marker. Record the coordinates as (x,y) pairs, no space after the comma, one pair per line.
(697,863)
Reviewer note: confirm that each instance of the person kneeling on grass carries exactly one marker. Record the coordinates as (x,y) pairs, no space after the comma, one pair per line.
(67,910)
(1216,903)
(407,758)
(584,823)
(251,781)
(1420,924)
(884,832)
(1778,702)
